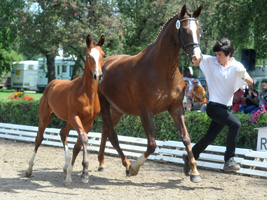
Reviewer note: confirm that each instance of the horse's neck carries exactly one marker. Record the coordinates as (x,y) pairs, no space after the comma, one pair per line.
(88,80)
(165,50)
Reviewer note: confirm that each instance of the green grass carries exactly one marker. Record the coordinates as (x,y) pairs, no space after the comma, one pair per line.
(4,94)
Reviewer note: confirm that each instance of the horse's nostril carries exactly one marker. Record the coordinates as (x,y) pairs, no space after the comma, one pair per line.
(100,77)
(95,77)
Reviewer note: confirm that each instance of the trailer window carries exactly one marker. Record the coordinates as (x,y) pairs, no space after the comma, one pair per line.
(64,68)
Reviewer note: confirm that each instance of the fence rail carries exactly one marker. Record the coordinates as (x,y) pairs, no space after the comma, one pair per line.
(251,162)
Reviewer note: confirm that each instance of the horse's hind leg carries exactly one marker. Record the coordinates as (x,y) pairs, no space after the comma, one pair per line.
(64,134)
(147,122)
(115,116)
(45,117)
(179,121)
(110,132)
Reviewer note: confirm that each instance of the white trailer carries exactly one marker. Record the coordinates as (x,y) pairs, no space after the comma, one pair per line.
(63,70)
(24,75)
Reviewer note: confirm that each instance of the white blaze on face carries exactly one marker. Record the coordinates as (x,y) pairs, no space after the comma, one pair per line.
(96,54)
(193,28)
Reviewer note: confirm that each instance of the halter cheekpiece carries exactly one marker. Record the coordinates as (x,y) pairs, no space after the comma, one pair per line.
(182,45)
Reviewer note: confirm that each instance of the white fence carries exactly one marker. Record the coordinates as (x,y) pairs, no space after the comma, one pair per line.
(251,162)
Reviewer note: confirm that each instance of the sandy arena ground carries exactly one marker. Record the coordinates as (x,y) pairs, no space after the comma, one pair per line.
(154,181)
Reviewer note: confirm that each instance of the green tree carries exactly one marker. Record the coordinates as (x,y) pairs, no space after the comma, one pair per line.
(8,36)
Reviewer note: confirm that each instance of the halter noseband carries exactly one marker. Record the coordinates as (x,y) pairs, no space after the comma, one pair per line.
(182,45)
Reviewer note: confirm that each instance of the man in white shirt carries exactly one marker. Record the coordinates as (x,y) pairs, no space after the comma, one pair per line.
(224,75)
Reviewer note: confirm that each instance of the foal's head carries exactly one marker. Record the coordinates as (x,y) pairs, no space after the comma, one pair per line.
(94,57)
(188,31)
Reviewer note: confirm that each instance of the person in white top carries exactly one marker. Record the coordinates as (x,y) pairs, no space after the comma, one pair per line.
(224,75)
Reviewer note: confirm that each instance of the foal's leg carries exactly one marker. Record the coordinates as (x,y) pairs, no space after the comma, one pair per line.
(177,114)
(147,122)
(63,134)
(45,117)
(115,116)
(110,132)
(82,141)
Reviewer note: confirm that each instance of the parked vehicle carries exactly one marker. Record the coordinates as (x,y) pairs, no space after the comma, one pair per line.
(24,75)
(63,70)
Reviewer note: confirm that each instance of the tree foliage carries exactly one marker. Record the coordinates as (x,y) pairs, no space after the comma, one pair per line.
(128,25)
(8,36)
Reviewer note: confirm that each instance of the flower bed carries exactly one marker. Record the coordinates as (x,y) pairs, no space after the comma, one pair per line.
(20,96)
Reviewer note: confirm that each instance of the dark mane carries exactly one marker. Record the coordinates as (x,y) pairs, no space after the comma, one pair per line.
(164,26)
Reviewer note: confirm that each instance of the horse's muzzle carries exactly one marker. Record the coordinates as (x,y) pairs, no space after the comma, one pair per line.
(98,78)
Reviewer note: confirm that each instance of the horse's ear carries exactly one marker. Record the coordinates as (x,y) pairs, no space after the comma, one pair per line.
(197,12)
(101,41)
(88,41)
(183,11)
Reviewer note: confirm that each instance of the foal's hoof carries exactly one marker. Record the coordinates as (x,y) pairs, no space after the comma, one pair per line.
(68,184)
(195,178)
(132,172)
(101,169)
(27,174)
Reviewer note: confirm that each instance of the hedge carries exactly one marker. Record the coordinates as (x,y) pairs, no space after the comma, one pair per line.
(26,112)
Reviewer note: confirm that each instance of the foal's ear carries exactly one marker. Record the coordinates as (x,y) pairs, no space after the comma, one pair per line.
(88,41)
(101,41)
(197,12)
(183,11)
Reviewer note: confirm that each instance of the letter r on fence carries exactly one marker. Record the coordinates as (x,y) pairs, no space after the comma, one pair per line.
(264,143)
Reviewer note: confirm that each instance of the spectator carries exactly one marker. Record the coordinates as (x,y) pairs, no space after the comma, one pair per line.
(197,96)
(204,104)
(250,98)
(238,100)
(187,93)
(261,97)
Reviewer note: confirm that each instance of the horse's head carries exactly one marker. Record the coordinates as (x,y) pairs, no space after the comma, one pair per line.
(94,57)
(188,31)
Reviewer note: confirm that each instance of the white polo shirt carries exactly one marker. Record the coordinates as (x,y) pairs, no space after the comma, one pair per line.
(222,82)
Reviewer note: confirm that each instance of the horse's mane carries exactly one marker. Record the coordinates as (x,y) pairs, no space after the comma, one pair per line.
(164,26)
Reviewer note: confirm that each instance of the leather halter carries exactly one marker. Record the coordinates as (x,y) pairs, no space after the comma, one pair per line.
(181,43)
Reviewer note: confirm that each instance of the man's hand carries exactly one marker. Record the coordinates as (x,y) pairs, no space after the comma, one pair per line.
(241,73)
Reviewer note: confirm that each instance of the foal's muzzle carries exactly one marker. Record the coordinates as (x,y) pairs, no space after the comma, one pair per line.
(98,78)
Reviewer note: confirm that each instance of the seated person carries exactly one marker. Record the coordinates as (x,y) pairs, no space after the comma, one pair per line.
(187,92)
(204,104)
(238,100)
(250,98)
(261,96)
(197,96)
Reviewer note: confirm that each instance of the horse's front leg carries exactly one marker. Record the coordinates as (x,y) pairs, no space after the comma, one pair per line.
(177,114)
(147,122)
(82,141)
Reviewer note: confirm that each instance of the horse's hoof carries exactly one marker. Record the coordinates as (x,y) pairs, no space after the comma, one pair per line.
(127,172)
(67,184)
(195,178)
(27,174)
(132,171)
(101,169)
(85,179)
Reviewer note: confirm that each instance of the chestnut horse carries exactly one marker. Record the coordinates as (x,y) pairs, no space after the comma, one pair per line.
(149,83)
(75,102)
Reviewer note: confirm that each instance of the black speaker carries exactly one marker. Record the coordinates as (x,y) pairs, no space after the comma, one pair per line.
(248,59)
